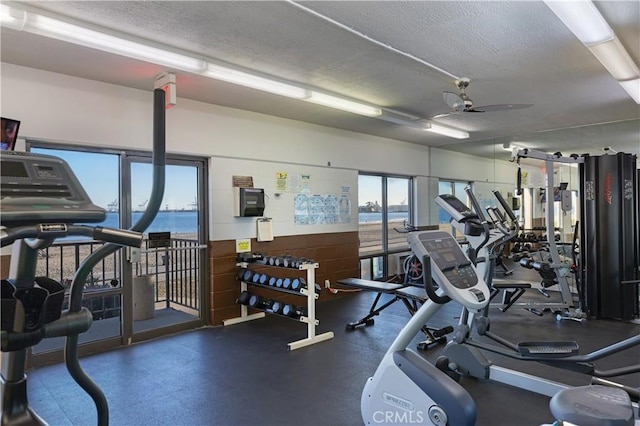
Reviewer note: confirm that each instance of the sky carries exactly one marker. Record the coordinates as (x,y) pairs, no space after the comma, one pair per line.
(99,175)
(370,189)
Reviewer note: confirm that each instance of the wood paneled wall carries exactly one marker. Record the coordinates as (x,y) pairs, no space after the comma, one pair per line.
(336,254)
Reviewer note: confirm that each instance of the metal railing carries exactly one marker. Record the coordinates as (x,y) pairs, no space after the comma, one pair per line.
(174,271)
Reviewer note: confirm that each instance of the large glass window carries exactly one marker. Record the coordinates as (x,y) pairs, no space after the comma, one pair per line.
(456,188)
(384,208)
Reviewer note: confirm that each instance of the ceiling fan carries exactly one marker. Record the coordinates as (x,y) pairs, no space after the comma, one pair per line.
(461,103)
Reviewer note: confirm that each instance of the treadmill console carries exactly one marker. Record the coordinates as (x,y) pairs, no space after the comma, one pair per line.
(37,188)
(458,210)
(451,269)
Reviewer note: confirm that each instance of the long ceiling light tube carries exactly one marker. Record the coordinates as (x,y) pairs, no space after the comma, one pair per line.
(588,25)
(343,104)
(255,82)
(446,131)
(633,88)
(22,20)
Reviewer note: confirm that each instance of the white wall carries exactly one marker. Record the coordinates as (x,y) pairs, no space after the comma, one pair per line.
(60,108)
(279,204)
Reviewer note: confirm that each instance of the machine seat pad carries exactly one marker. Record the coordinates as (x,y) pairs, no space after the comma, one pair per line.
(378,286)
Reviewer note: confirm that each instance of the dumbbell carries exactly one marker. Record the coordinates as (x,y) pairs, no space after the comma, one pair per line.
(272,281)
(293,311)
(249,257)
(241,272)
(276,307)
(263,279)
(288,261)
(245,274)
(526,262)
(279,282)
(255,277)
(244,298)
(286,283)
(259,302)
(298,284)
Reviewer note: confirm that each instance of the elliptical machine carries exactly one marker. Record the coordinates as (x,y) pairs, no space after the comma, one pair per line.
(407,389)
(41,201)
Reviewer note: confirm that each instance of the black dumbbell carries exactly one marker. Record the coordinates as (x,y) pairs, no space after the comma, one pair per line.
(272,281)
(240,274)
(247,274)
(298,284)
(286,283)
(255,277)
(272,260)
(279,282)
(276,307)
(244,298)
(288,261)
(263,279)
(259,302)
(293,311)
(526,262)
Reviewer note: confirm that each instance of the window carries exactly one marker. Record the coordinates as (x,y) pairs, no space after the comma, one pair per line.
(456,188)
(384,206)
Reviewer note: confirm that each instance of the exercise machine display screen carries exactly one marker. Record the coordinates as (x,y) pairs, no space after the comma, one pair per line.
(13,169)
(447,255)
(458,210)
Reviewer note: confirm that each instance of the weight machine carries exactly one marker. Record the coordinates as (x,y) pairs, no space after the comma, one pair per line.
(609,261)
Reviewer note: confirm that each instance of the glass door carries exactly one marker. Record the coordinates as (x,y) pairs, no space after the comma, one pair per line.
(99,175)
(133,294)
(169,270)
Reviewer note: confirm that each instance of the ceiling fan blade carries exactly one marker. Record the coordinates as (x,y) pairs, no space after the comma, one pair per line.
(454,100)
(499,107)
(444,114)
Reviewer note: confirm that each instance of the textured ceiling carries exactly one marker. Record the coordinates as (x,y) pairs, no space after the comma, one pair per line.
(513,52)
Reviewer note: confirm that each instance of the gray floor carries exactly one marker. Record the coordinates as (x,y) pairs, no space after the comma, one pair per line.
(244,374)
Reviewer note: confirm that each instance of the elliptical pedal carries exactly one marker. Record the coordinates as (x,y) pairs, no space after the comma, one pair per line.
(548,349)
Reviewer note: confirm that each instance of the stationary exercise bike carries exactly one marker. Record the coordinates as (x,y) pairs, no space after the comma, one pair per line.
(407,389)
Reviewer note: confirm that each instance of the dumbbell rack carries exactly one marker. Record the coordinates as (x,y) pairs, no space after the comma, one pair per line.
(310,319)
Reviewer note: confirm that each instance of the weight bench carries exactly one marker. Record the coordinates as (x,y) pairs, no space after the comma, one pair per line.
(511,292)
(411,297)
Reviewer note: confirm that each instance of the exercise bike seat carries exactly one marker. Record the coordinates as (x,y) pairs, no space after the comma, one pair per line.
(593,405)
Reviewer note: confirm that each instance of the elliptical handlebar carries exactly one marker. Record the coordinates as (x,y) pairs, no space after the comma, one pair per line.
(475,204)
(58,230)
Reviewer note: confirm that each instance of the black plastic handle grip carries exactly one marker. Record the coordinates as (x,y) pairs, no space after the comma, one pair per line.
(505,205)
(475,204)
(118,236)
(428,282)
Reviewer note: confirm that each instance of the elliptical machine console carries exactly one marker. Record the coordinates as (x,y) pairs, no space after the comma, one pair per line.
(43,189)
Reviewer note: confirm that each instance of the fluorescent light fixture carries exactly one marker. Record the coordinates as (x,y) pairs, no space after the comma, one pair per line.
(344,104)
(446,131)
(64,31)
(583,19)
(259,83)
(615,59)
(633,88)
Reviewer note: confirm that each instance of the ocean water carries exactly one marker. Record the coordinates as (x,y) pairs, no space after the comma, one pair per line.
(178,222)
(184,222)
